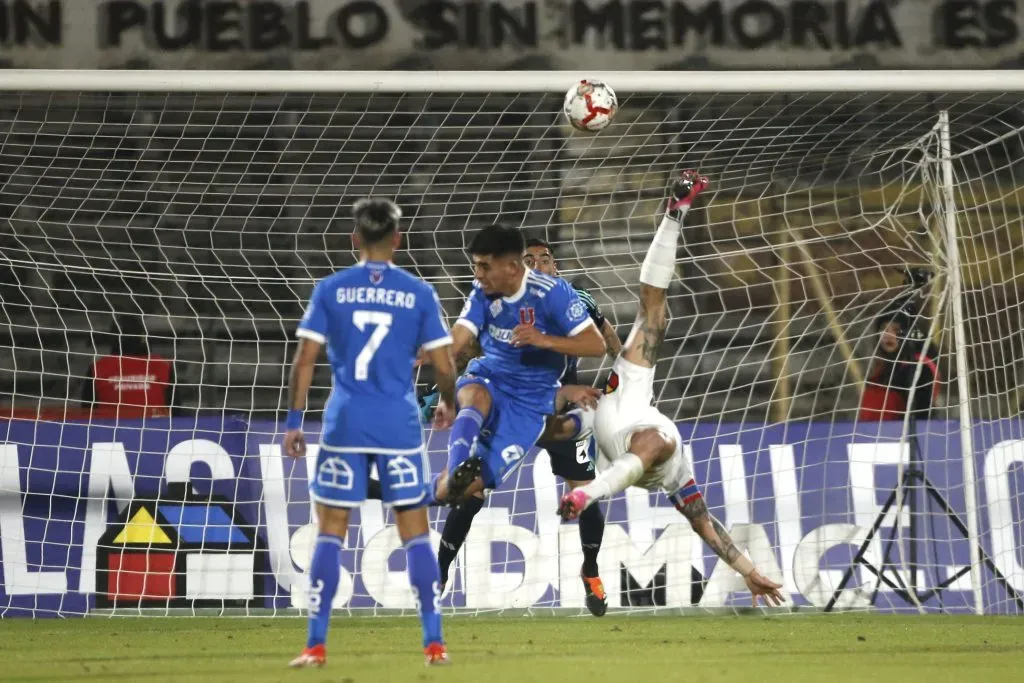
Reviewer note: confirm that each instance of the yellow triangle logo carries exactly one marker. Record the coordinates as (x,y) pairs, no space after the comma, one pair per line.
(142,528)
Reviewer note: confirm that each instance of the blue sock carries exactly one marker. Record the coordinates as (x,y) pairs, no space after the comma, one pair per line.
(465,430)
(425,578)
(324,573)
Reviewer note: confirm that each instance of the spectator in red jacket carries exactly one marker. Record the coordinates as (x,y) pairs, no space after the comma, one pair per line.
(895,385)
(130,381)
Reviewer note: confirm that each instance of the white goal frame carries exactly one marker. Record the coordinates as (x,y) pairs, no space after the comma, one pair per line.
(395,82)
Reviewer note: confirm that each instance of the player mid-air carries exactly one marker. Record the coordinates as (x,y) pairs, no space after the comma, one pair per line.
(374,319)
(573,461)
(527,324)
(638,445)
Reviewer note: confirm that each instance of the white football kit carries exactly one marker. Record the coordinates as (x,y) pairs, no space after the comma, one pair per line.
(626,408)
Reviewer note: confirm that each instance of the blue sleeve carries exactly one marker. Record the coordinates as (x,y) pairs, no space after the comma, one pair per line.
(567,315)
(433,328)
(473,311)
(314,321)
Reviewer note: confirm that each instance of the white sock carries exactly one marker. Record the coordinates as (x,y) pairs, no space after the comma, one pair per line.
(659,266)
(626,471)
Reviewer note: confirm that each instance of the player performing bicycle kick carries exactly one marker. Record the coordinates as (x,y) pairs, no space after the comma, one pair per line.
(637,444)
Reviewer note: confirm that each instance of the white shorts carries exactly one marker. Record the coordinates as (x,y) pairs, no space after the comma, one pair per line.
(625,409)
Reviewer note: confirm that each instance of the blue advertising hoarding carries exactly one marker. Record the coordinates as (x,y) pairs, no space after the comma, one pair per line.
(206,511)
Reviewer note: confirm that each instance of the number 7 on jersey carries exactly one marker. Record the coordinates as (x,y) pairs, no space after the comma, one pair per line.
(382,325)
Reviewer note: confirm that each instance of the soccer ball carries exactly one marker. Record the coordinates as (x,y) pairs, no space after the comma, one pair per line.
(590,106)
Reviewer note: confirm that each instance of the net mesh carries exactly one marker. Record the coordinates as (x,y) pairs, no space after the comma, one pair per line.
(211,216)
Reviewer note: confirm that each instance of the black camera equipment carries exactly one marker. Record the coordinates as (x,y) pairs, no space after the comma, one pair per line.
(914,491)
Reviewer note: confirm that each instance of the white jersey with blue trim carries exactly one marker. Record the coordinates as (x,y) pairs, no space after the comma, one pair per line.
(550,304)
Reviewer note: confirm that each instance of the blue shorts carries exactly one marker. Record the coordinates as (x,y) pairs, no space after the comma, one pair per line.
(510,430)
(341,478)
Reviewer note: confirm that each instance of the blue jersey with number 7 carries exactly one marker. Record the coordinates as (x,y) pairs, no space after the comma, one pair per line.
(374,318)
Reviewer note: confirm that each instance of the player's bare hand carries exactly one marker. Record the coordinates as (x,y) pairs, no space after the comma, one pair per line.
(528,335)
(765,589)
(584,397)
(444,415)
(422,358)
(294,445)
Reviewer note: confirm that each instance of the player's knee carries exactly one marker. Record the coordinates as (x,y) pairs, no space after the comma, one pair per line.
(332,520)
(651,446)
(411,521)
(475,396)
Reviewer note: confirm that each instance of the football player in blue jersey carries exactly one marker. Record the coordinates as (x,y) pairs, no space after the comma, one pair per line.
(572,460)
(527,325)
(374,319)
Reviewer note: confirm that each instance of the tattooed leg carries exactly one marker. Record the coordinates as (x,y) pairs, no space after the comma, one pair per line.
(648,331)
(658,270)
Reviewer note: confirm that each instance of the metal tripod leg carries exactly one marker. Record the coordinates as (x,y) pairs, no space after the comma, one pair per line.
(859,557)
(903,590)
(948,510)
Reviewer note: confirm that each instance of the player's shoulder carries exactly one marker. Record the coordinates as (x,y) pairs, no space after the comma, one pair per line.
(337,278)
(477,290)
(541,285)
(540,281)
(585,296)
(406,277)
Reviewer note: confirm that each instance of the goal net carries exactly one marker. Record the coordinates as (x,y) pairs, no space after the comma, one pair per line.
(196,211)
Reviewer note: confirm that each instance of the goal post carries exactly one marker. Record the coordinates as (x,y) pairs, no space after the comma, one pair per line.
(205,204)
(960,344)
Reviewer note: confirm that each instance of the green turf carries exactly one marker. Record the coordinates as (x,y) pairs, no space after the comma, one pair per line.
(616,649)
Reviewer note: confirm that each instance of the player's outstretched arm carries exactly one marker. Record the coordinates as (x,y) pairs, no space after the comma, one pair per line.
(715,535)
(299,381)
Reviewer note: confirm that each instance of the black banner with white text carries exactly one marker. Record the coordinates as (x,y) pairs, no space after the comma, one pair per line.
(540,34)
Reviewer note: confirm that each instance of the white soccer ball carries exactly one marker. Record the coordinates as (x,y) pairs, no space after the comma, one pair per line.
(590,105)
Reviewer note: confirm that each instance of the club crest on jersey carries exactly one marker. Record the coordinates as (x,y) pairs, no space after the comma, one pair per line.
(527,316)
(612,384)
(577,310)
(495,308)
(376,276)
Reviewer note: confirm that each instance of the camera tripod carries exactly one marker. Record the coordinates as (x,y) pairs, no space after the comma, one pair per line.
(916,489)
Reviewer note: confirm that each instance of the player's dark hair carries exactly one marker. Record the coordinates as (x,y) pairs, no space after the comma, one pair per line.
(375,218)
(498,240)
(537,242)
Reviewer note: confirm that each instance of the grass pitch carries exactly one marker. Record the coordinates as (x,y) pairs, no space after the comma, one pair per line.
(615,649)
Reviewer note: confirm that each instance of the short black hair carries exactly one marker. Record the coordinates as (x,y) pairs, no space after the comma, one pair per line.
(375,218)
(498,240)
(537,242)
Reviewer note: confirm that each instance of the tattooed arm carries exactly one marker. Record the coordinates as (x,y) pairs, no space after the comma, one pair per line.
(716,536)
